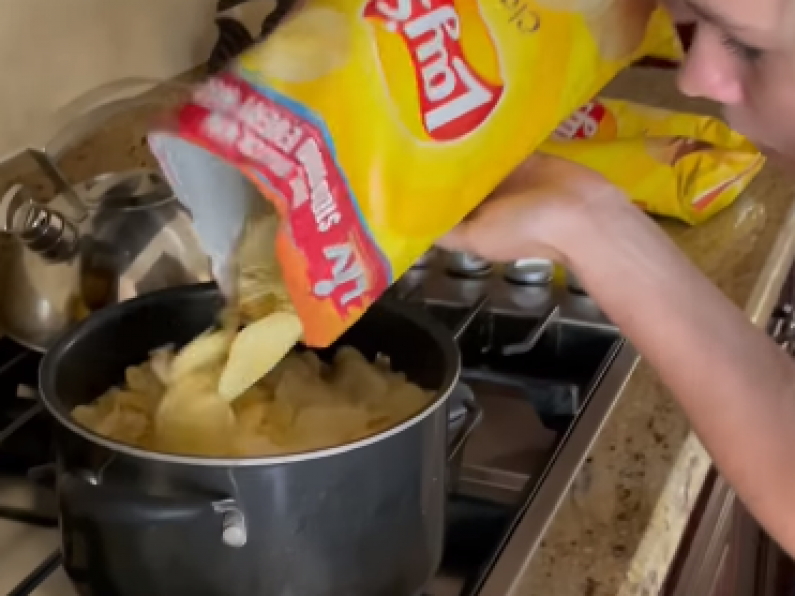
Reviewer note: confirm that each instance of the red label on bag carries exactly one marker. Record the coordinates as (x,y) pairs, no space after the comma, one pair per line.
(294,165)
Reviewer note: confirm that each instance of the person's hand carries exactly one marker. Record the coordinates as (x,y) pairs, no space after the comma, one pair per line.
(533,213)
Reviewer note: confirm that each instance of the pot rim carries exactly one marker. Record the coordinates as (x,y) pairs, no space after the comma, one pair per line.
(58,411)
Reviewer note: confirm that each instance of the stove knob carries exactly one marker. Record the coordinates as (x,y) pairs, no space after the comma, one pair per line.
(531,272)
(459,263)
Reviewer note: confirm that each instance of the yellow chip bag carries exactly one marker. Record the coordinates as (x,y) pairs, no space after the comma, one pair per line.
(374,126)
(683,166)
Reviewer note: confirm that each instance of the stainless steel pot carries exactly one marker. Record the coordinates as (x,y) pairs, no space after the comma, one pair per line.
(364,519)
(97,242)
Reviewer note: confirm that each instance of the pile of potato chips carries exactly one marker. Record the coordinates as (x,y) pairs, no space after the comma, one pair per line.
(174,403)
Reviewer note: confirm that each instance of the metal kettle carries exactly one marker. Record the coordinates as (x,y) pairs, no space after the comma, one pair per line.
(96,243)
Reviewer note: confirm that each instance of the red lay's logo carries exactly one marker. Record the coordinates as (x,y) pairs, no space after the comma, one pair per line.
(454,98)
(592,121)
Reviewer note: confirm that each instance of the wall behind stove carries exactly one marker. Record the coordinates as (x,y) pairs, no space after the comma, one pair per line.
(51,51)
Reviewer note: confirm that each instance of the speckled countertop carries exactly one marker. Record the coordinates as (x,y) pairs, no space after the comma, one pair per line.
(617,530)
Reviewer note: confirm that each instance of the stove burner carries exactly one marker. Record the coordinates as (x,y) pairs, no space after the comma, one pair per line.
(530,272)
(463,265)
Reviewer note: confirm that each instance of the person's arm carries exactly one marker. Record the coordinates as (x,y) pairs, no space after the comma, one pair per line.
(735,385)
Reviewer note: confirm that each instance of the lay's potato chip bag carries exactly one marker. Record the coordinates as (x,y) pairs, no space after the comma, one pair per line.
(375,126)
(683,166)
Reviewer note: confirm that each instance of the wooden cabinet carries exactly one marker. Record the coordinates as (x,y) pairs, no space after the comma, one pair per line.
(723,580)
(724,552)
(719,553)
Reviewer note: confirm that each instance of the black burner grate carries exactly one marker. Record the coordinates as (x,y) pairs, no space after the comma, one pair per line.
(38,576)
(24,446)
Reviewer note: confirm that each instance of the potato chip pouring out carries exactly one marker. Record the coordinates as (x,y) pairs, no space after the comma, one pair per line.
(256,350)
(208,374)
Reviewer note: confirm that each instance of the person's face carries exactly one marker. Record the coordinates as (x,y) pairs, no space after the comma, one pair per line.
(743,56)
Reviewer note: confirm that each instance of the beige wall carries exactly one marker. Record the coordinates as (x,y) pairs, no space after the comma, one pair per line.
(52,51)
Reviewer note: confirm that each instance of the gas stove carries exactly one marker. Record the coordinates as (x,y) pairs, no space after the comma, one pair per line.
(543,363)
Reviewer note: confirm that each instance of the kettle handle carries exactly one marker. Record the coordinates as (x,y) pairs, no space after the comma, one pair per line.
(84,116)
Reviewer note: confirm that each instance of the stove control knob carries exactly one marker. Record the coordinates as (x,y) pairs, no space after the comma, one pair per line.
(459,263)
(530,271)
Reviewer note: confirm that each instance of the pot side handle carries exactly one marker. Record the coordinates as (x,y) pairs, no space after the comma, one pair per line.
(84,497)
(474,416)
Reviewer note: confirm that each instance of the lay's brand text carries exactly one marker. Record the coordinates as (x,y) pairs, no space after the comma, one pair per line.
(454,99)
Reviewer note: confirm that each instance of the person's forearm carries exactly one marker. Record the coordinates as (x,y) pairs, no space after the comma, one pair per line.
(736,386)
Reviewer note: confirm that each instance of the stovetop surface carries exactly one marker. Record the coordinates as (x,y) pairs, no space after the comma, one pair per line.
(531,354)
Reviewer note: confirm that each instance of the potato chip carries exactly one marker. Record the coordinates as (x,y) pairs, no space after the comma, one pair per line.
(256,350)
(144,380)
(207,349)
(251,413)
(195,423)
(160,363)
(356,377)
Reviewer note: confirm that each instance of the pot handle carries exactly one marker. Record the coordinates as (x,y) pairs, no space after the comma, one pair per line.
(474,416)
(89,498)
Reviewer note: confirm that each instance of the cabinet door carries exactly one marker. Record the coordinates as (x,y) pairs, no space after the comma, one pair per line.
(723,581)
(704,562)
(719,553)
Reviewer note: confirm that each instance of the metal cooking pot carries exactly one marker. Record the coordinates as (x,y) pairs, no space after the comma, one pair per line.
(364,519)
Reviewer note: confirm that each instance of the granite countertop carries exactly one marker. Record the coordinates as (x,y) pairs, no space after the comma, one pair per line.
(618,528)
